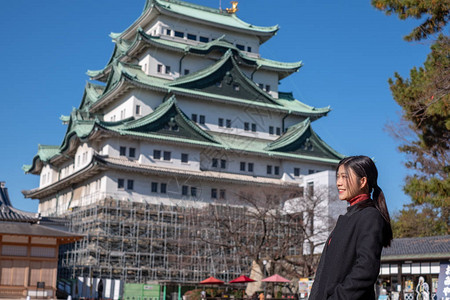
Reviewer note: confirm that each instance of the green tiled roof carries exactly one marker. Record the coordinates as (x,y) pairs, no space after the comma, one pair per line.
(160,121)
(302,139)
(92,92)
(209,15)
(219,43)
(121,71)
(122,47)
(154,126)
(45,152)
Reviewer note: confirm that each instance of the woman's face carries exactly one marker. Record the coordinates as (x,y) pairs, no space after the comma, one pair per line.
(349,186)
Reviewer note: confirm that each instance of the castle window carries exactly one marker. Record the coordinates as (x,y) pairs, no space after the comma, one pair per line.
(228,123)
(191,37)
(179,34)
(163,188)
(159,68)
(156,154)
(246,126)
(213,193)
(250,167)
(167,69)
(138,109)
(222,194)
(254,127)
(242,165)
(278,131)
(184,157)
(202,119)
(193,191)
(271,130)
(261,85)
(310,171)
(167,155)
(267,88)
(123,151)
(296,172)
(249,49)
(277,170)
(223,164)
(132,152)
(130,184)
(215,163)
(120,183)
(168,32)
(220,122)
(184,190)
(186,71)
(204,39)
(240,47)
(154,187)
(269,169)
(310,188)
(194,117)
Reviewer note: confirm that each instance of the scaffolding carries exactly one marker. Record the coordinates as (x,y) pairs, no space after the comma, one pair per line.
(141,243)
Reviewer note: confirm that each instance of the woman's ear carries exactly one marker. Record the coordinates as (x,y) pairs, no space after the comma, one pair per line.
(363,184)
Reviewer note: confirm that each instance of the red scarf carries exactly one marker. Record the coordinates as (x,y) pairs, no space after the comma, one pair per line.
(358,199)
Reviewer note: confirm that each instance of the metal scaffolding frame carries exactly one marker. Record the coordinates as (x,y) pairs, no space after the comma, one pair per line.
(140,242)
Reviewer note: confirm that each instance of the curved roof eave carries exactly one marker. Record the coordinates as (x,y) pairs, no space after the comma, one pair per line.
(208,16)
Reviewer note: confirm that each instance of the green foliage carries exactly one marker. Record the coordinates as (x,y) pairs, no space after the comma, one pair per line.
(414,222)
(436,12)
(425,102)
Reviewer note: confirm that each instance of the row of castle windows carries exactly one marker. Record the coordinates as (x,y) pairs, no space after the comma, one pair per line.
(200,38)
(227,124)
(161,188)
(123,113)
(215,162)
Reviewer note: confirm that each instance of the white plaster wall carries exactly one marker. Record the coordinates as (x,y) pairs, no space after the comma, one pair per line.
(195,63)
(66,169)
(331,207)
(147,149)
(48,175)
(207,31)
(120,109)
(267,78)
(83,156)
(157,56)
(238,116)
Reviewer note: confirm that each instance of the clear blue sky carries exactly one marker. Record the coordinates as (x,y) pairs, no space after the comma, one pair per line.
(348,48)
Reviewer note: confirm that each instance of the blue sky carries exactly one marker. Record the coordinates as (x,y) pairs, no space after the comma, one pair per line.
(348,48)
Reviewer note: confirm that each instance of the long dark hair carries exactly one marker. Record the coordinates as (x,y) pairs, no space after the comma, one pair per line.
(363,166)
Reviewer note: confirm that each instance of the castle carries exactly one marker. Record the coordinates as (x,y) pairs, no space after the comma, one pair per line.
(185,114)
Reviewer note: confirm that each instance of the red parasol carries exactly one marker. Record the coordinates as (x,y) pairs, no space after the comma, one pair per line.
(212,280)
(275,278)
(242,279)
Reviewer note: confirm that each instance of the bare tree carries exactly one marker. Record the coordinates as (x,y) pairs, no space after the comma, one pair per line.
(284,226)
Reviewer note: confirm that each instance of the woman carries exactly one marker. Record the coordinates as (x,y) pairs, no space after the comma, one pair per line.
(350,261)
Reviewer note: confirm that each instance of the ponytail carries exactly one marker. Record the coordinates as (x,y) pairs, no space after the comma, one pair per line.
(380,204)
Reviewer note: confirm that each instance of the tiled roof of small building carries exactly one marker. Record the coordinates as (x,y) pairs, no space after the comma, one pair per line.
(14,221)
(420,247)
(9,213)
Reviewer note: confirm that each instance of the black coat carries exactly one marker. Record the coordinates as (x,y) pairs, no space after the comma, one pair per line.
(350,261)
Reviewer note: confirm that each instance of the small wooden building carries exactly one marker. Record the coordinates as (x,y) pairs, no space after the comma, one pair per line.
(28,251)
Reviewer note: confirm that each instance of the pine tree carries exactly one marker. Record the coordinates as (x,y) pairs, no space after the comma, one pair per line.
(424,132)
(437,14)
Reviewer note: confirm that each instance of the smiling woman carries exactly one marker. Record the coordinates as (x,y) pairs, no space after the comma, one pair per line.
(358,237)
